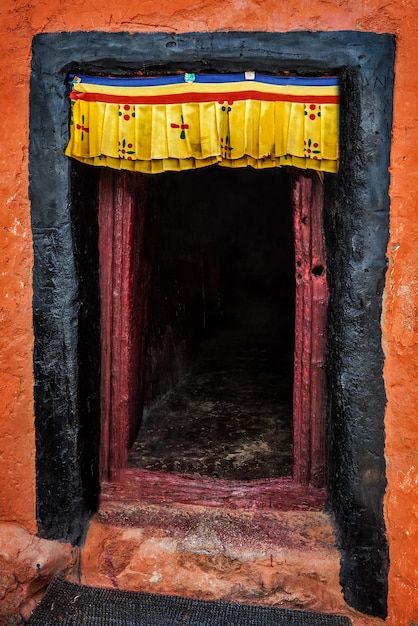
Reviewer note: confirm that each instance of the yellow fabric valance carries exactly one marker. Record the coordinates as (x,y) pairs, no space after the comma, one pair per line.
(180,122)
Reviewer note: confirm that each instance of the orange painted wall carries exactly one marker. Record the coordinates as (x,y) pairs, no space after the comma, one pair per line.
(20,20)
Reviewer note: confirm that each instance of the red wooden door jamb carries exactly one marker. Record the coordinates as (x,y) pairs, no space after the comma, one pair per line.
(124,289)
(310,331)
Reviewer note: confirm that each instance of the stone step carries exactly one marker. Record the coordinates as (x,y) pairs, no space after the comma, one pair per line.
(285,559)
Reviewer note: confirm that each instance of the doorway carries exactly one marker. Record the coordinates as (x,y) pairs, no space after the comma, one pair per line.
(201,373)
(219,366)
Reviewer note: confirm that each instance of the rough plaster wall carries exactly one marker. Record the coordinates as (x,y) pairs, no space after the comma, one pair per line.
(19,22)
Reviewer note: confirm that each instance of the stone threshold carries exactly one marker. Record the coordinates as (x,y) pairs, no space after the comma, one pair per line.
(286,558)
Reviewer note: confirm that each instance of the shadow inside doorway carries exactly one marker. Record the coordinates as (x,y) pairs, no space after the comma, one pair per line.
(219,366)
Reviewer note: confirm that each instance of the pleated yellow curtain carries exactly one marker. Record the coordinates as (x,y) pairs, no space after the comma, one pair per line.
(182,122)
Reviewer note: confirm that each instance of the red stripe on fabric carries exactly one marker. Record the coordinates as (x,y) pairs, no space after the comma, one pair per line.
(203,97)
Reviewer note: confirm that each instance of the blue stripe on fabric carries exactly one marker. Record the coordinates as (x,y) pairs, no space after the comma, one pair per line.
(302,81)
(128,81)
(154,81)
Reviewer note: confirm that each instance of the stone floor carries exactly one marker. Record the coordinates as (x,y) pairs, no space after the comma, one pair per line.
(230,417)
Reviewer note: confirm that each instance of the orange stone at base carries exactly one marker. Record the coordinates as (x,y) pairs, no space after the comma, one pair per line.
(27,566)
(282,559)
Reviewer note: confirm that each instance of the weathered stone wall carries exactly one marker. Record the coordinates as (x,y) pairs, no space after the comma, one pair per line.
(19,22)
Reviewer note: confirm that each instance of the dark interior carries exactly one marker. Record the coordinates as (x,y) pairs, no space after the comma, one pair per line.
(219,366)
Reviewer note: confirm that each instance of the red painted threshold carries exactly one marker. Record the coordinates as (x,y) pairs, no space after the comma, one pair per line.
(276,494)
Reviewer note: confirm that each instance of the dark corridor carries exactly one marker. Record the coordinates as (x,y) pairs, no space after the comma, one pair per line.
(219,360)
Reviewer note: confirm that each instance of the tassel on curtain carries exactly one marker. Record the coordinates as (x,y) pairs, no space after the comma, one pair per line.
(182,122)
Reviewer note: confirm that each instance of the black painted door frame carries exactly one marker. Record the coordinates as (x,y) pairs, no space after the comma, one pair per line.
(356,214)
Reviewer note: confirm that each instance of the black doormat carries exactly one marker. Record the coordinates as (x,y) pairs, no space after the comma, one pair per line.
(68,604)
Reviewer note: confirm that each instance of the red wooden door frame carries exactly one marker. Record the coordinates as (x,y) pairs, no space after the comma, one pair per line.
(124,291)
(125,285)
(309,386)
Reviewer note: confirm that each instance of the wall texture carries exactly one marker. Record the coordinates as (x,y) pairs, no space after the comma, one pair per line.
(19,22)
